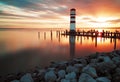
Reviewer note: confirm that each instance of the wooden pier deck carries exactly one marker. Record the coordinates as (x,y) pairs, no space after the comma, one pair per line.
(103,34)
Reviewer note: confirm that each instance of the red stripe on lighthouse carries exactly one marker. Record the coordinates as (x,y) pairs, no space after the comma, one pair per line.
(72,21)
(72,17)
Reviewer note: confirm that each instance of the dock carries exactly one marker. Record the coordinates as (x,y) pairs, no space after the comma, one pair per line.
(93,33)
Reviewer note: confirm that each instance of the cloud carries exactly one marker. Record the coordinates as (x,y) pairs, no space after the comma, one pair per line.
(114,21)
(56,9)
(92,7)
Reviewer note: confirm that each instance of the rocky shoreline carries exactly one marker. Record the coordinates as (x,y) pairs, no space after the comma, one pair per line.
(99,67)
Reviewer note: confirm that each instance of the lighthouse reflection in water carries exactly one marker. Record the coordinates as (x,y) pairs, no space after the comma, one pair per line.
(41,47)
(72,46)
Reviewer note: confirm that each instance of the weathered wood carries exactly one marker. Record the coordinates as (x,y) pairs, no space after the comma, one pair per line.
(94,33)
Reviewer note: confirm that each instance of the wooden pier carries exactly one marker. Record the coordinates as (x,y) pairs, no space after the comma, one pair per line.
(93,33)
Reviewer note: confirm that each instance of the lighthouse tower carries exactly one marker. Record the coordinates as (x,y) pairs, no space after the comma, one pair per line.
(72,20)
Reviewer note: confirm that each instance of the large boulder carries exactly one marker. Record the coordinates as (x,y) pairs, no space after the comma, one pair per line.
(26,78)
(73,80)
(15,81)
(70,69)
(65,80)
(103,79)
(116,75)
(116,60)
(59,64)
(41,72)
(50,76)
(61,73)
(80,61)
(71,76)
(105,64)
(78,65)
(89,70)
(86,78)
(107,59)
(78,68)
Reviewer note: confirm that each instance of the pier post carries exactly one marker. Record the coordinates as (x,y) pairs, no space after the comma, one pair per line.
(44,35)
(39,35)
(95,41)
(111,34)
(51,35)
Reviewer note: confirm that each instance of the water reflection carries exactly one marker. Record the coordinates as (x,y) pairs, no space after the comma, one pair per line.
(44,35)
(38,35)
(95,41)
(35,47)
(114,43)
(72,46)
(51,35)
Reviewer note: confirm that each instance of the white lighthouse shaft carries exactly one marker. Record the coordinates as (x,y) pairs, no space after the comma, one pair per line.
(72,20)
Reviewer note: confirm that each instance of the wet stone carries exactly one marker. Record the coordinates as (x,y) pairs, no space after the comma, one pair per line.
(61,73)
(50,76)
(103,79)
(26,78)
(89,70)
(86,78)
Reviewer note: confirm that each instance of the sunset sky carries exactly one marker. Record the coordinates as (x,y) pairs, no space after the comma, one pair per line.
(55,13)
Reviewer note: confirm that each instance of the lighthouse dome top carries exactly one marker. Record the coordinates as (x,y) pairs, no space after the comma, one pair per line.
(73,9)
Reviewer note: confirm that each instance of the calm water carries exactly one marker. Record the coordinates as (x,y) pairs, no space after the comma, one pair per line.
(24,49)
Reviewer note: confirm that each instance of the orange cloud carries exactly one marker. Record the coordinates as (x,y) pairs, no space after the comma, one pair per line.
(57,11)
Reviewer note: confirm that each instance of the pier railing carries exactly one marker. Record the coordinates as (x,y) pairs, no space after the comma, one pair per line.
(91,33)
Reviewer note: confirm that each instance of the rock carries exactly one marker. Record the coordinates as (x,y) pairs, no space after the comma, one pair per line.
(70,69)
(26,78)
(78,65)
(65,80)
(80,61)
(103,79)
(107,59)
(61,73)
(90,70)
(51,69)
(34,74)
(54,64)
(59,64)
(116,60)
(42,72)
(118,52)
(106,65)
(50,76)
(116,75)
(63,63)
(71,76)
(15,81)
(73,80)
(94,56)
(117,70)
(93,61)
(86,78)
(10,77)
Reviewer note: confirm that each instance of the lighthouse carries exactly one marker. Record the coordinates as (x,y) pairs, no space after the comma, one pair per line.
(72,21)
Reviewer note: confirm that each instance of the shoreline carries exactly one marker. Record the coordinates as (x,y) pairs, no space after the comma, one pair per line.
(98,67)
